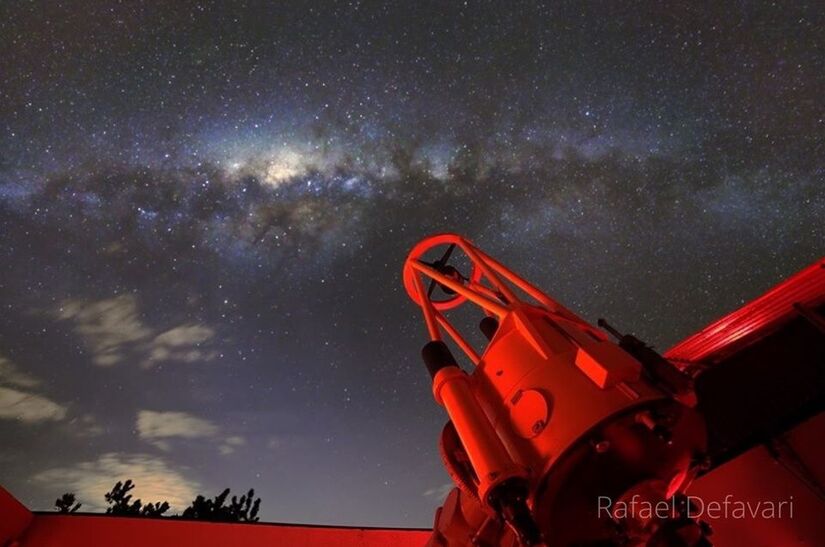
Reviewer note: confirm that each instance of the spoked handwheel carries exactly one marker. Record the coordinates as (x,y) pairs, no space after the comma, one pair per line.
(450,271)
(421,285)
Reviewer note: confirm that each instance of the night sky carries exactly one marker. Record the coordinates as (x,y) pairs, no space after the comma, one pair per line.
(205,208)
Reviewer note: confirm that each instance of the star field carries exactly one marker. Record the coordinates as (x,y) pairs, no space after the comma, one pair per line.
(205,207)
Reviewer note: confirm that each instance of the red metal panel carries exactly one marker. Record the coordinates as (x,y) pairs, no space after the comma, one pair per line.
(755,319)
(758,479)
(53,530)
(14,517)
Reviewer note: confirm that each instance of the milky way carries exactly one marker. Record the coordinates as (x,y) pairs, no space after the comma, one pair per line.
(205,207)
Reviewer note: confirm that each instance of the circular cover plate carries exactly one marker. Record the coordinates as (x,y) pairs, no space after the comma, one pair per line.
(529,412)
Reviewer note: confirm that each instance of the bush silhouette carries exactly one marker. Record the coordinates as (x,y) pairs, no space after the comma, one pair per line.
(238,510)
(120,502)
(217,509)
(66,503)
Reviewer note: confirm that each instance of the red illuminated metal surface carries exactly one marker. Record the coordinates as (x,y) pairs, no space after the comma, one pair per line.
(750,322)
(20,528)
(14,517)
(502,426)
(756,477)
(546,388)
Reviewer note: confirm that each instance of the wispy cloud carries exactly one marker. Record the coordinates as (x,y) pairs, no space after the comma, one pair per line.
(153,425)
(182,343)
(18,402)
(10,374)
(230,444)
(160,428)
(90,480)
(29,407)
(113,330)
(85,425)
(108,326)
(439,492)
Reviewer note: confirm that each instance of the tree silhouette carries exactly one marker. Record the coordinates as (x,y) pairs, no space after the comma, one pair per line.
(238,510)
(65,502)
(243,509)
(120,502)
